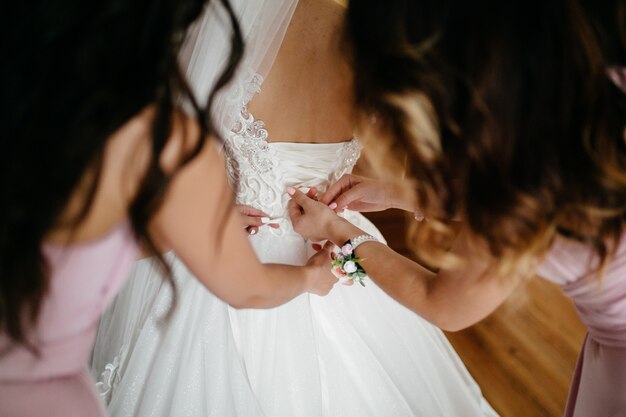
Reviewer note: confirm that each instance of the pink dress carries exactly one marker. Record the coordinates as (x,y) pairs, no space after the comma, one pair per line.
(84,278)
(599,384)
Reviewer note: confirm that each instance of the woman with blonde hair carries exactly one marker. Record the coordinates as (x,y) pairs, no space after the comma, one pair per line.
(511,117)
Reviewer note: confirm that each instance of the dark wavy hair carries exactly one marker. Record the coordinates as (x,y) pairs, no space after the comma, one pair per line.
(505,114)
(73,73)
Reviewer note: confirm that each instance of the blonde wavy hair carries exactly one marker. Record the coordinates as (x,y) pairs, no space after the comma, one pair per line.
(501,114)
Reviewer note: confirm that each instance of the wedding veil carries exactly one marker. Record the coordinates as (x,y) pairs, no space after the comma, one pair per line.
(263,25)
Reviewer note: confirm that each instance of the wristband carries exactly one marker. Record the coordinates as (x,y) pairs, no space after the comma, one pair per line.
(357,241)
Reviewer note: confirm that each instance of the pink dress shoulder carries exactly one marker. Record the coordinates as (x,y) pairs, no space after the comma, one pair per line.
(84,278)
(599,384)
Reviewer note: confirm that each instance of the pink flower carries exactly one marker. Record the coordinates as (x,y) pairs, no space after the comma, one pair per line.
(346,249)
(339,272)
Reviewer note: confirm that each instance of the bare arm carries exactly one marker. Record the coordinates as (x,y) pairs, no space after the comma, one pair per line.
(450,299)
(198,218)
(199,221)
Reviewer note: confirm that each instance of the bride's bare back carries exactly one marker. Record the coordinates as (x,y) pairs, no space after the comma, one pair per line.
(307,96)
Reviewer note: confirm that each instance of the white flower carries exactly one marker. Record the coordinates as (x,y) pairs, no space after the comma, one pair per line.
(349,267)
(347,249)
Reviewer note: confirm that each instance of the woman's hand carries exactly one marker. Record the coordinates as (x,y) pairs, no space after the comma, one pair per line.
(315,221)
(321,276)
(365,194)
(252,219)
(310,218)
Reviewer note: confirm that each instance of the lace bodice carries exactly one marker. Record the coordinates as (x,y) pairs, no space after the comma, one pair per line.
(260,171)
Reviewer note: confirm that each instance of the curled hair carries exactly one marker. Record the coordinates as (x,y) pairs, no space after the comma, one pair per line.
(506,117)
(76,72)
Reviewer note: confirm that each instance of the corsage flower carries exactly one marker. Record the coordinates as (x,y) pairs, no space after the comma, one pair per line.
(345,265)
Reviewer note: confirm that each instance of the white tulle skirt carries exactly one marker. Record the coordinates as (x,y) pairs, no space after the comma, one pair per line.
(354,353)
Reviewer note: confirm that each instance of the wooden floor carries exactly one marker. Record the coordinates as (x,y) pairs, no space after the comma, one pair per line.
(524,354)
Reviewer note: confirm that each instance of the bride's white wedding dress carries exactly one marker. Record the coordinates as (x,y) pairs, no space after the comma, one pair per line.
(354,353)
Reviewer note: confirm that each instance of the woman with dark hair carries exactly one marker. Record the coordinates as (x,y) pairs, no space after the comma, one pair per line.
(511,117)
(96,160)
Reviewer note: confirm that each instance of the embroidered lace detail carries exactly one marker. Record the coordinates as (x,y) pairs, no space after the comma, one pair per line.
(252,88)
(253,136)
(351,154)
(256,168)
(248,136)
(110,377)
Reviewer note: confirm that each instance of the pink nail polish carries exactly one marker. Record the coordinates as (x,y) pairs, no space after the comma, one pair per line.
(291,190)
(332,206)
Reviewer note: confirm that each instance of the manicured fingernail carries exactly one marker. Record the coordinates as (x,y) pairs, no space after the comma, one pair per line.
(291,190)
(265,220)
(253,232)
(332,205)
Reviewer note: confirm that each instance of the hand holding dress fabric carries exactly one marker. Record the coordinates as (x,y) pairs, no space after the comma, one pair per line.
(366,194)
(311,219)
(253,219)
(325,280)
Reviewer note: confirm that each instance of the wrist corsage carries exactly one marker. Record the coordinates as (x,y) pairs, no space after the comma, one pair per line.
(346,265)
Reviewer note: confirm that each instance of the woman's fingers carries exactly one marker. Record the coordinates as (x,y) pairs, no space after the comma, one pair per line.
(250,211)
(253,227)
(328,246)
(312,193)
(344,183)
(294,210)
(295,207)
(348,191)
(300,198)
(254,218)
(252,221)
(344,200)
